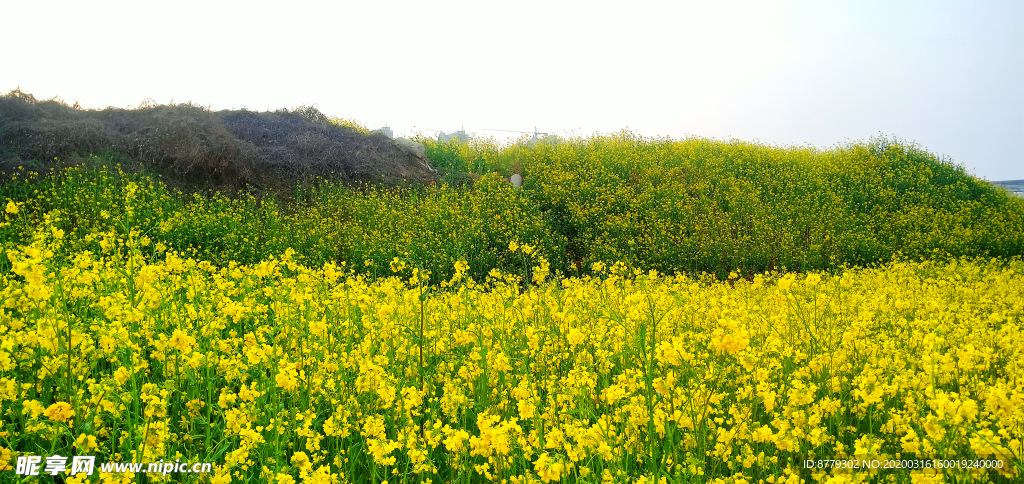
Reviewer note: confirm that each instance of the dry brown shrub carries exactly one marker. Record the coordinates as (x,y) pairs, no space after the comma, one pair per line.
(197,149)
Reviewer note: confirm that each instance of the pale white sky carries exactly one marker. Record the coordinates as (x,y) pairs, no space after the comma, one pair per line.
(947,75)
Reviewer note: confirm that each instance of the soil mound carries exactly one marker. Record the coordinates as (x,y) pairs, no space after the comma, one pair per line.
(195,148)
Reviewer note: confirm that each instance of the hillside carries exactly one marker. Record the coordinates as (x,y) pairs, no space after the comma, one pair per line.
(269,182)
(704,205)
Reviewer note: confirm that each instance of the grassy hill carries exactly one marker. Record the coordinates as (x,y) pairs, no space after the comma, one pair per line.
(692,205)
(708,205)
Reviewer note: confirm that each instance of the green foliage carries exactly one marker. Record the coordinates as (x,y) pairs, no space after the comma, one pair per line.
(702,205)
(434,226)
(448,156)
(693,205)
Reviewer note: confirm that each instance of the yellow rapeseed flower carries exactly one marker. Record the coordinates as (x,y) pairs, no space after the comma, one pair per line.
(60,411)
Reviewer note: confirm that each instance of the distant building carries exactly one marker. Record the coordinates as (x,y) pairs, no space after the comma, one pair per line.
(458,135)
(1014,186)
(386,131)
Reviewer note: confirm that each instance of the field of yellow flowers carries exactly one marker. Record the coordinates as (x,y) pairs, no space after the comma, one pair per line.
(640,311)
(281,372)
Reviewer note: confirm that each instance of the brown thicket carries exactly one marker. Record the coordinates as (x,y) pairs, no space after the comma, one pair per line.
(194,148)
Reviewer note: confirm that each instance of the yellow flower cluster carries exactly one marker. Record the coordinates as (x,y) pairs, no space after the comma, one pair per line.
(281,372)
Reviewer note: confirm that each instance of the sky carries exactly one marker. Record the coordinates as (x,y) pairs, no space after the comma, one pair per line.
(948,76)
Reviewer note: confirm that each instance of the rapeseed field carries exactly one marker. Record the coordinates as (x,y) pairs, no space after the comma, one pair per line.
(452,335)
